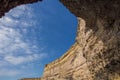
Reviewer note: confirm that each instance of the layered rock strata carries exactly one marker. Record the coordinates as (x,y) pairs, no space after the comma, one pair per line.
(98,38)
(89,58)
(72,65)
(99,35)
(96,52)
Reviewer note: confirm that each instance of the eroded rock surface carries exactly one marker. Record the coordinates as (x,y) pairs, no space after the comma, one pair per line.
(96,52)
(97,56)
(72,65)
(94,56)
(99,36)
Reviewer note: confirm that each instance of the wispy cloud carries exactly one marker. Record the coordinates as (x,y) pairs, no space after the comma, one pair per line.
(9,72)
(14,49)
(23,59)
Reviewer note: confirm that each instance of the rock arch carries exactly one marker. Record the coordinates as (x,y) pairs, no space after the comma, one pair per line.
(96,52)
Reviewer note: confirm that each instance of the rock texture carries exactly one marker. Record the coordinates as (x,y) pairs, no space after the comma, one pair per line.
(94,56)
(71,66)
(96,52)
(98,35)
(6,5)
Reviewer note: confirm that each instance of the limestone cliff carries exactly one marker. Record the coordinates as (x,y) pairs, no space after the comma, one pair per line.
(72,65)
(90,58)
(96,52)
(98,35)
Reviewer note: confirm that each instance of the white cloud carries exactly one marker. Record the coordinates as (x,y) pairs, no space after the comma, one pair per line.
(14,49)
(22,15)
(10,41)
(3,64)
(9,72)
(23,59)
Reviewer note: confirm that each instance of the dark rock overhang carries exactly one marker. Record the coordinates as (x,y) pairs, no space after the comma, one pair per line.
(6,5)
(91,10)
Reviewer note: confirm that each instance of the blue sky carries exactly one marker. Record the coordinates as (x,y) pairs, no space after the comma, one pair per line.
(33,35)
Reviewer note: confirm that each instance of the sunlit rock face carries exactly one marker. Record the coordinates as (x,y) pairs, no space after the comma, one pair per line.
(94,56)
(96,52)
(71,66)
(100,49)
(98,35)
(6,5)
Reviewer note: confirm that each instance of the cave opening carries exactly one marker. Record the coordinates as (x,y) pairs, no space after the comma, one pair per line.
(33,35)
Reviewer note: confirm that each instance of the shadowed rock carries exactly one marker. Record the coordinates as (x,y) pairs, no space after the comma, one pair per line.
(6,5)
(96,52)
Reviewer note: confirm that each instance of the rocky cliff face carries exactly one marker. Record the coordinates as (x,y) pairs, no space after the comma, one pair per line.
(98,35)
(96,52)
(94,56)
(6,5)
(71,66)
